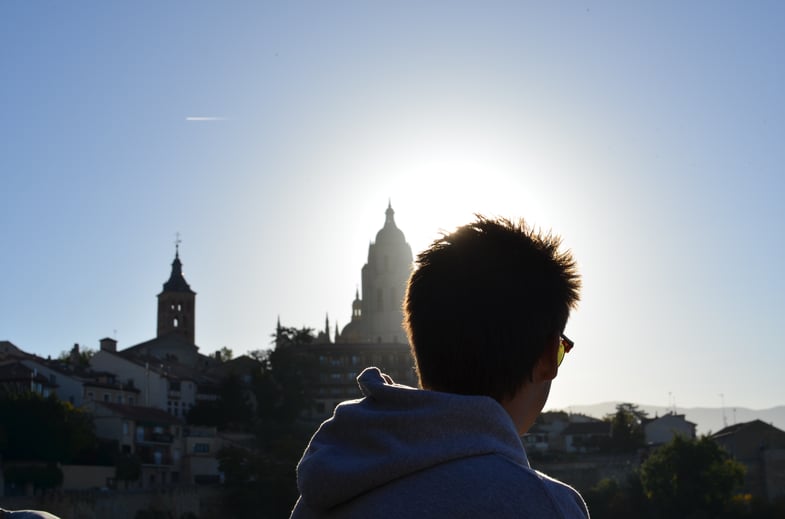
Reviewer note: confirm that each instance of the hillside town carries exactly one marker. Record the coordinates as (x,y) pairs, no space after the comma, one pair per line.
(167,429)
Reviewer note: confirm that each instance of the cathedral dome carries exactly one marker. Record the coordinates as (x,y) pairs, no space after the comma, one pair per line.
(353,332)
(390,233)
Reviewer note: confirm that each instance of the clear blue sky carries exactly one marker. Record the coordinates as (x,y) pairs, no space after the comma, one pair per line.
(649,135)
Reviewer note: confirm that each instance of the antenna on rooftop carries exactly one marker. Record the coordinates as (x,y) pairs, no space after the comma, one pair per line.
(724,418)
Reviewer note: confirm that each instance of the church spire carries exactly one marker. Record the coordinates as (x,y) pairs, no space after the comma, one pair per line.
(176,281)
(176,313)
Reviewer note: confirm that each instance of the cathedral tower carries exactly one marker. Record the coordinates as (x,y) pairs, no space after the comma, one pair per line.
(176,304)
(378,316)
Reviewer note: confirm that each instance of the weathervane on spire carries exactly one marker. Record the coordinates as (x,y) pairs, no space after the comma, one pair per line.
(177,242)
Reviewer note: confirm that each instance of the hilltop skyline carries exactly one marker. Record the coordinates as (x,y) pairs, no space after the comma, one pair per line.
(271,137)
(707,419)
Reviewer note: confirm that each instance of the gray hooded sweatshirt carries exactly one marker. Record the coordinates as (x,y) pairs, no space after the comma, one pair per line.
(403,452)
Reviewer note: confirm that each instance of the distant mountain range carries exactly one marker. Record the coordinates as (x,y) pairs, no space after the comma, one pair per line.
(707,419)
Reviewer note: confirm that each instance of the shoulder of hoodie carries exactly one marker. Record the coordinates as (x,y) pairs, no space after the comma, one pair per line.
(526,483)
(506,481)
(475,486)
(566,498)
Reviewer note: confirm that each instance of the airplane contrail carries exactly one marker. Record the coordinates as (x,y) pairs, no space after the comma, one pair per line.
(191,118)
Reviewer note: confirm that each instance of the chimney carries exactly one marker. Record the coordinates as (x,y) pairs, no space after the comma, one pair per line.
(108,344)
(74,355)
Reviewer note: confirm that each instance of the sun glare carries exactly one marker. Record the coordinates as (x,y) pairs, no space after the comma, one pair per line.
(442,194)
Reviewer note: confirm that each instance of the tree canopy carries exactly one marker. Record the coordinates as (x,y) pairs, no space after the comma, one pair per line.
(225,354)
(261,482)
(77,357)
(690,478)
(232,407)
(627,432)
(43,429)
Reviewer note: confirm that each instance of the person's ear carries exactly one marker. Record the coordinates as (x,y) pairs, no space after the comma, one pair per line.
(547,367)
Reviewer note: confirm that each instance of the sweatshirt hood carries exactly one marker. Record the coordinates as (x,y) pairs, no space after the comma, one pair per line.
(397,430)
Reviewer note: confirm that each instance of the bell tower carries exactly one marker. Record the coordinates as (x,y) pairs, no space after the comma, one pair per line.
(176,303)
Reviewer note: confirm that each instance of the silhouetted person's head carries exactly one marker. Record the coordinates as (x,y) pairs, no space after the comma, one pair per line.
(484,302)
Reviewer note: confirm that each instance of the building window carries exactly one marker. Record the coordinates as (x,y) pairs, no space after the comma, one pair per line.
(175,322)
(125,428)
(106,397)
(201,447)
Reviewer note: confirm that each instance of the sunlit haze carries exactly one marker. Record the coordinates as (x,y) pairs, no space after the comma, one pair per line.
(272,135)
